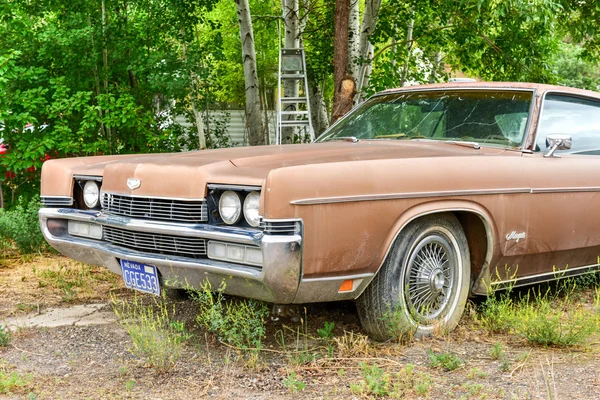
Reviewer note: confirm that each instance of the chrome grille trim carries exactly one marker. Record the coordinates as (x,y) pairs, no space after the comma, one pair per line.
(156,243)
(57,201)
(280,227)
(165,209)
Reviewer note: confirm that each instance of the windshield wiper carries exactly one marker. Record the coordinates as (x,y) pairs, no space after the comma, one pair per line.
(352,139)
(474,145)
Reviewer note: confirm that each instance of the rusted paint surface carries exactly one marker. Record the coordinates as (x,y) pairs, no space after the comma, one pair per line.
(380,186)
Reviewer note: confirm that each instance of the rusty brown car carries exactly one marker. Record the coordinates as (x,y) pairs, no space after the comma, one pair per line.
(414,201)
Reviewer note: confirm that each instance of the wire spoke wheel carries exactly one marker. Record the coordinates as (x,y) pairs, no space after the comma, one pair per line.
(430,278)
(423,285)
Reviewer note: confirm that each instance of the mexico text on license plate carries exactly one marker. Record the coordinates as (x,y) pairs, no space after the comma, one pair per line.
(141,277)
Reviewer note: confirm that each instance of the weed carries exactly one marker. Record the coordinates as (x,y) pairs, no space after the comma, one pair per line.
(477,373)
(409,380)
(352,344)
(496,314)
(151,331)
(13,381)
(293,383)
(129,385)
(5,336)
(448,361)
(326,332)
(376,381)
(235,321)
(398,325)
(543,321)
(497,351)
(473,389)
(541,317)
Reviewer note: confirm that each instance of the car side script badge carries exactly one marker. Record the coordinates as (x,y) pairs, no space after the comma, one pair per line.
(133,183)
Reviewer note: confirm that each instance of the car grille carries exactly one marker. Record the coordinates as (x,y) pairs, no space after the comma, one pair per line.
(57,201)
(155,243)
(187,211)
(280,227)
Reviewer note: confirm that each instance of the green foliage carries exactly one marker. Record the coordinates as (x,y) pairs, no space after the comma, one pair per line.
(235,321)
(154,333)
(5,336)
(326,332)
(571,69)
(21,226)
(293,383)
(448,361)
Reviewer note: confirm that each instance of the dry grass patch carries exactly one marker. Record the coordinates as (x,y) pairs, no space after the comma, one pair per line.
(30,283)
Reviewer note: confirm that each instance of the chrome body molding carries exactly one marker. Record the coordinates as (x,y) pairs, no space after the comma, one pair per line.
(452,193)
(409,195)
(276,281)
(57,201)
(545,277)
(96,178)
(234,187)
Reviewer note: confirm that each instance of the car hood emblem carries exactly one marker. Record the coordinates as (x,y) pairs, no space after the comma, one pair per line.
(133,183)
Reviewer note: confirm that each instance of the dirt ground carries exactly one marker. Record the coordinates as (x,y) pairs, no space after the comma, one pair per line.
(78,361)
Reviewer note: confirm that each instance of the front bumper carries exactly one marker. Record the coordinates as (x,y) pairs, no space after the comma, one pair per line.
(276,281)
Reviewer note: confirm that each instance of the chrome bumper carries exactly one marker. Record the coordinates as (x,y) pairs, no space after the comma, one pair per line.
(277,281)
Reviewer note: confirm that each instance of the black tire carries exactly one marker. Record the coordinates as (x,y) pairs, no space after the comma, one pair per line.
(417,296)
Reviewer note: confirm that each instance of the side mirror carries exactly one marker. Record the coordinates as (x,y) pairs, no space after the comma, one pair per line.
(557,142)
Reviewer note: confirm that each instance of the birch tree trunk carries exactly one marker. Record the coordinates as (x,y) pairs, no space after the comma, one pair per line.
(409,43)
(354,39)
(318,109)
(369,23)
(344,84)
(290,87)
(253,117)
(194,95)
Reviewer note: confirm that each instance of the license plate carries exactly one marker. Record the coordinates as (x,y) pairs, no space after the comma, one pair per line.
(140,277)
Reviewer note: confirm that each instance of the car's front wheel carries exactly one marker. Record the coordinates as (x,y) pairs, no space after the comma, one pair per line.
(423,284)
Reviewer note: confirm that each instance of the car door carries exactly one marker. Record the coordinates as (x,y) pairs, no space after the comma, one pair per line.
(564,209)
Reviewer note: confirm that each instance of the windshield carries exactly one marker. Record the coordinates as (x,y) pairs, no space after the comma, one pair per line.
(482,116)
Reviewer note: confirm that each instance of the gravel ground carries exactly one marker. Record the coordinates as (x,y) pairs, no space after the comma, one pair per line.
(76,362)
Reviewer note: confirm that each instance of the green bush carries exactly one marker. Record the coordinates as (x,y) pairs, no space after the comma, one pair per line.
(21,227)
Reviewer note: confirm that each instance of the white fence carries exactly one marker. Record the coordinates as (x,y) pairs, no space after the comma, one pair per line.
(236,127)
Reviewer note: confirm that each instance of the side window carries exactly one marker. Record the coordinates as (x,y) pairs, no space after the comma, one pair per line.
(577,117)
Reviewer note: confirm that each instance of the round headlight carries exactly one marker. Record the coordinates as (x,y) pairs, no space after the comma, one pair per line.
(230,207)
(91,194)
(251,208)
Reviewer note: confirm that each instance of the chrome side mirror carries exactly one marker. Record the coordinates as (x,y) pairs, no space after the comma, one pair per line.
(557,142)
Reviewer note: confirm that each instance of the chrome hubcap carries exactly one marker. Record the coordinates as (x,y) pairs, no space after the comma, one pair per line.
(429,279)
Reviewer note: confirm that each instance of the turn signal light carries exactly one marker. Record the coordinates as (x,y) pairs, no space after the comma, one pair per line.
(347,285)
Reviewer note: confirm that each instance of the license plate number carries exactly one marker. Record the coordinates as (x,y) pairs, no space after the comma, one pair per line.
(140,277)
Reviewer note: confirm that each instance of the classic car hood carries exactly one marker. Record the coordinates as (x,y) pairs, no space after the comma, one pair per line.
(171,174)
(271,157)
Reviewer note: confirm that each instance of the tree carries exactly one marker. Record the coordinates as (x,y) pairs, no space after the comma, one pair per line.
(253,117)
(344,83)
